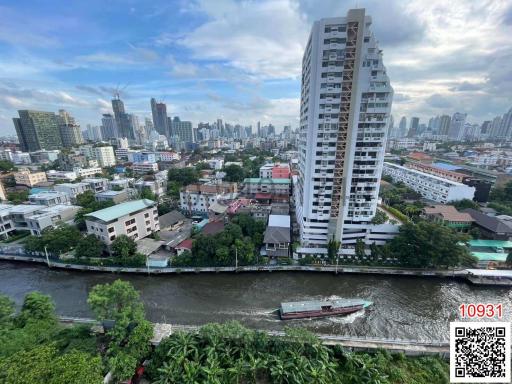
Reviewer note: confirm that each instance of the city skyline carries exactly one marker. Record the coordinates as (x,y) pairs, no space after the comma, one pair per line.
(207,62)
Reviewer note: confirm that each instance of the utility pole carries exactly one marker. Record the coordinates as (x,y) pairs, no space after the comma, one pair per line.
(236,258)
(47,258)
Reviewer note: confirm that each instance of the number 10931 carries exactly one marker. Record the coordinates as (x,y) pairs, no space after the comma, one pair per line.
(480,311)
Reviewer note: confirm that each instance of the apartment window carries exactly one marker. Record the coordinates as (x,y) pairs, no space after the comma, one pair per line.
(111,229)
(130,222)
(146,214)
(112,237)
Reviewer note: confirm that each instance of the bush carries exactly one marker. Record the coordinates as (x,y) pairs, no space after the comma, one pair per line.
(395,212)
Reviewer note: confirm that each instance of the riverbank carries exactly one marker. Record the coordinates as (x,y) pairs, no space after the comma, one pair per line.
(487,277)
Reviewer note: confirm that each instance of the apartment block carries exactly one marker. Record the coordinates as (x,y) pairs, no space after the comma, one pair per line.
(72,189)
(197,198)
(144,167)
(29,178)
(49,198)
(345,107)
(429,186)
(33,218)
(252,186)
(136,219)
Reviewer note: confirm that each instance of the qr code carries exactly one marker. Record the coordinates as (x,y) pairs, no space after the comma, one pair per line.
(480,352)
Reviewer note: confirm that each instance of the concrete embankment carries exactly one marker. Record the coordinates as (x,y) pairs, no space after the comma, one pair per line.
(353,343)
(248,268)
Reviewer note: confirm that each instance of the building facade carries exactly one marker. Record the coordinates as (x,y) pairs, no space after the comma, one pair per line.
(37,130)
(429,186)
(29,178)
(345,109)
(136,219)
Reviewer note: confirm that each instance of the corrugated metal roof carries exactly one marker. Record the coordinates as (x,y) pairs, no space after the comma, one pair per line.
(120,210)
(490,256)
(316,305)
(490,243)
(257,180)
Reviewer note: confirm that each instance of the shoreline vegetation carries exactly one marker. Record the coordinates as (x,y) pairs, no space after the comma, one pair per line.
(37,348)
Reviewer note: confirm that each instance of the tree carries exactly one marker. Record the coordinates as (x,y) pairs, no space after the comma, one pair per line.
(147,193)
(89,247)
(17,197)
(234,173)
(183,176)
(123,248)
(428,244)
(36,307)
(116,301)
(464,204)
(360,253)
(379,218)
(6,166)
(6,309)
(332,249)
(43,364)
(509,259)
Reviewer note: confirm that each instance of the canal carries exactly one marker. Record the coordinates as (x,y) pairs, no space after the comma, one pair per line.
(404,307)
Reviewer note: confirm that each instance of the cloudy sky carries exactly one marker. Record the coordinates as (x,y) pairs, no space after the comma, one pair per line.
(240,60)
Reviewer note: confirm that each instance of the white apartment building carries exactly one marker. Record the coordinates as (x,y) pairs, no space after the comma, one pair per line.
(87,172)
(49,198)
(144,167)
(54,175)
(104,155)
(266,171)
(429,186)
(345,108)
(97,184)
(198,198)
(72,189)
(33,218)
(28,178)
(135,219)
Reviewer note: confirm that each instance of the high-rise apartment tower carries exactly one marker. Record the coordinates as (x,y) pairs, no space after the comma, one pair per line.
(345,109)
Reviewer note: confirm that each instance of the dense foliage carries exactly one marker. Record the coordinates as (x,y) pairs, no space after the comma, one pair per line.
(124,252)
(464,204)
(397,197)
(129,339)
(89,204)
(179,177)
(501,199)
(241,238)
(231,353)
(380,217)
(234,173)
(36,349)
(6,166)
(57,240)
(428,245)
(17,197)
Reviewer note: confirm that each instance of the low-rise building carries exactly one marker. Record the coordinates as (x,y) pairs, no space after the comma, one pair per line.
(144,167)
(135,219)
(98,184)
(449,216)
(33,218)
(115,196)
(72,189)
(429,186)
(197,198)
(277,236)
(252,186)
(490,227)
(28,178)
(87,172)
(53,175)
(49,198)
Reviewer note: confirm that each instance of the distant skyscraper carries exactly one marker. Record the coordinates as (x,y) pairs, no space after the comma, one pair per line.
(108,127)
(123,123)
(37,130)
(413,129)
(391,127)
(444,125)
(456,131)
(94,133)
(342,136)
(159,112)
(402,127)
(183,130)
(70,132)
(148,125)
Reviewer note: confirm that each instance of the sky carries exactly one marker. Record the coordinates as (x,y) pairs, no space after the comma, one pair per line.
(240,60)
